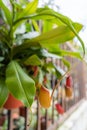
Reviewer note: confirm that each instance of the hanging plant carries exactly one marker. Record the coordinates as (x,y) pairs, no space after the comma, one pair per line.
(23,46)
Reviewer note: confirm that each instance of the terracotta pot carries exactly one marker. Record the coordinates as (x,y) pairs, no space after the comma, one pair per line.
(12,103)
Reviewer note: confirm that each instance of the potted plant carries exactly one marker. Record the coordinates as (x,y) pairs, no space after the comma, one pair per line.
(24,47)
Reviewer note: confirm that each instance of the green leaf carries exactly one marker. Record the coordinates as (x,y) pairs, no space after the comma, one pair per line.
(29,9)
(36,26)
(66,63)
(20,84)
(47,25)
(59,71)
(23,2)
(60,34)
(33,60)
(3,92)
(7,12)
(51,67)
(68,53)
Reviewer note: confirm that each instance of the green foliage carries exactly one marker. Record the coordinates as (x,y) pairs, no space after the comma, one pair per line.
(3,92)
(29,9)
(27,39)
(33,60)
(7,13)
(46,13)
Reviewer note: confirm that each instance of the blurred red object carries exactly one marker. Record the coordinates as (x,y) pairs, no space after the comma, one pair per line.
(12,103)
(69,81)
(59,108)
(36,70)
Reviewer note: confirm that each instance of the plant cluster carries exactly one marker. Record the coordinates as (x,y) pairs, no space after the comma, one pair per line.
(30,35)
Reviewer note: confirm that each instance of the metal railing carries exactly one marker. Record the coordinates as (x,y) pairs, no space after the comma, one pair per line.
(48,119)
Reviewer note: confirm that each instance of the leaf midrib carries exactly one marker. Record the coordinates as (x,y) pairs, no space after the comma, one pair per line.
(20,83)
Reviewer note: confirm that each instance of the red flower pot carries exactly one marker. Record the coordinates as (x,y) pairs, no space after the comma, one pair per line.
(12,103)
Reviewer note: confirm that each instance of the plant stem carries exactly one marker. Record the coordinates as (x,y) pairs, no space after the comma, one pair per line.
(13,9)
(58,82)
(11,27)
(11,37)
(30,118)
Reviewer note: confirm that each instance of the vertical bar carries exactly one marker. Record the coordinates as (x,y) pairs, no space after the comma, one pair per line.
(46,120)
(52,85)
(26,119)
(10,121)
(38,116)
(53,111)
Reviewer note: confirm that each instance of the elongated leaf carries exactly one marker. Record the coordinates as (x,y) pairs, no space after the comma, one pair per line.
(33,60)
(68,53)
(29,9)
(60,34)
(20,84)
(3,92)
(35,25)
(7,12)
